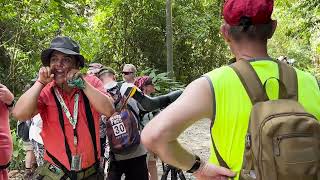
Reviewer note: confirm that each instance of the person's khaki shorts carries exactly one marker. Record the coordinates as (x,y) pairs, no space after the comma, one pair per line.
(27,146)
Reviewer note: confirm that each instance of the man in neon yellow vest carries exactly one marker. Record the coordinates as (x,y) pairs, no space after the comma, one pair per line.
(219,95)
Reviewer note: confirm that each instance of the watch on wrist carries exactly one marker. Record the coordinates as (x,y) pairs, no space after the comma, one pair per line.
(195,166)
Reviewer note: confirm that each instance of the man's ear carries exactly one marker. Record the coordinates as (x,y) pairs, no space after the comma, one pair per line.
(274,27)
(224,30)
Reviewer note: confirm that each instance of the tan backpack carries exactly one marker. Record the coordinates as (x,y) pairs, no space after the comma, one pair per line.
(283,140)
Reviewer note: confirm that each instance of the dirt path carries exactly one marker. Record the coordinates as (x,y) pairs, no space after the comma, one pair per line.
(197,140)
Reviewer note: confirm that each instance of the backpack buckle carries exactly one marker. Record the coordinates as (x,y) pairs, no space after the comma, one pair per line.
(248,141)
(54,169)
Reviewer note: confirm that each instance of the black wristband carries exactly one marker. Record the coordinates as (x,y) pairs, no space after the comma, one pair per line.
(10,105)
(4,166)
(195,166)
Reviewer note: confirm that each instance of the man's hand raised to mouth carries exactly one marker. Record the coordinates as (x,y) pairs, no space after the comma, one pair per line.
(45,75)
(73,74)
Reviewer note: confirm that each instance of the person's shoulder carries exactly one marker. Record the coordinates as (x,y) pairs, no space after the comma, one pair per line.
(219,73)
(125,86)
(199,86)
(307,78)
(305,75)
(93,80)
(111,85)
(220,70)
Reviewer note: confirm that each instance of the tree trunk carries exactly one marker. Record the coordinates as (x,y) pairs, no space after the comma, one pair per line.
(169,39)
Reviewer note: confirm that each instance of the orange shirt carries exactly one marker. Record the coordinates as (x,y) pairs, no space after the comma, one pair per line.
(5,140)
(52,133)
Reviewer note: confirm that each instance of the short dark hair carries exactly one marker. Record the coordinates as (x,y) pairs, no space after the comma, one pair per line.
(247,30)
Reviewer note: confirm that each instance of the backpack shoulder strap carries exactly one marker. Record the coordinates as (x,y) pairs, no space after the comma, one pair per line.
(254,89)
(288,77)
(250,81)
(92,128)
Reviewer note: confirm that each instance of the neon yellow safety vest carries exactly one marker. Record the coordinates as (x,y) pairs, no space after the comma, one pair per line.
(233,106)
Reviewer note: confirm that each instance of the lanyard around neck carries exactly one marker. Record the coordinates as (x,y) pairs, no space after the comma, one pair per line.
(73,120)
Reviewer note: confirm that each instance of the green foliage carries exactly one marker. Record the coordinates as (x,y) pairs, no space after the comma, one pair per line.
(134,32)
(114,32)
(298,32)
(18,156)
(27,27)
(163,84)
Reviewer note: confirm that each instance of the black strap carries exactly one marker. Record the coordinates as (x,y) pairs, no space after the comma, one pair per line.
(61,120)
(140,125)
(5,166)
(71,174)
(133,111)
(141,115)
(117,89)
(61,166)
(92,128)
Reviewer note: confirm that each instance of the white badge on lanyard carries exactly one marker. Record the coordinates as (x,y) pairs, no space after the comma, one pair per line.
(76,162)
(76,158)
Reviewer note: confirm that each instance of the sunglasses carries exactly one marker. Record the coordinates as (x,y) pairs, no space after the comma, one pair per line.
(126,73)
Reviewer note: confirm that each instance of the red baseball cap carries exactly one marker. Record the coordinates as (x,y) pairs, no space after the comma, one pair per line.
(259,11)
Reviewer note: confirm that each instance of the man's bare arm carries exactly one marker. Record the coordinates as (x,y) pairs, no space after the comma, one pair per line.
(160,135)
(101,102)
(26,106)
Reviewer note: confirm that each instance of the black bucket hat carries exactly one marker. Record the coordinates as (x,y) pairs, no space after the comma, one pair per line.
(65,45)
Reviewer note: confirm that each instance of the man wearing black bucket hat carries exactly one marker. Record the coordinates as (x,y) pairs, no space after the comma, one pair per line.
(70,105)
